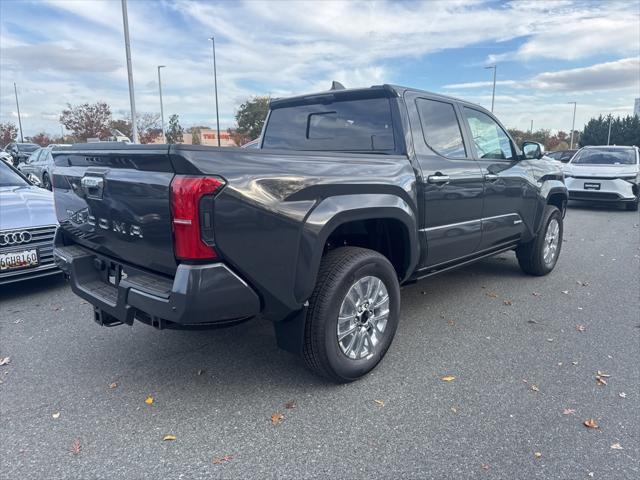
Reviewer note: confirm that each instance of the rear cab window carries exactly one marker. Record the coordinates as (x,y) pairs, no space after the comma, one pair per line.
(332,124)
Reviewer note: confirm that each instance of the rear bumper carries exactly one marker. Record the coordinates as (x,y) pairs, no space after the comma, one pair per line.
(198,295)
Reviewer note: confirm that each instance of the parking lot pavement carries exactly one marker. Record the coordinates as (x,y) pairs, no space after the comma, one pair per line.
(525,381)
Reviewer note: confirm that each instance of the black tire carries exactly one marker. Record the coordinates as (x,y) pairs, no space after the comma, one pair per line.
(632,206)
(339,271)
(46,183)
(531,255)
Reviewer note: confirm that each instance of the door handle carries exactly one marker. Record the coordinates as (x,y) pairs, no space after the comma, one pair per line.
(491,177)
(438,178)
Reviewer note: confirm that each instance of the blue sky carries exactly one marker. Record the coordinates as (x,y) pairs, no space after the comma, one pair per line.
(547,52)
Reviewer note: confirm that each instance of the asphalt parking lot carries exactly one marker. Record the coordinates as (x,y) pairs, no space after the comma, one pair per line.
(524,352)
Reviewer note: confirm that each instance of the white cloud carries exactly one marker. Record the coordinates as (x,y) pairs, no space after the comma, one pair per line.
(623,73)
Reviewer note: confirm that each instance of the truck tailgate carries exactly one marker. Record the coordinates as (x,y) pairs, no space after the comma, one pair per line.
(117,202)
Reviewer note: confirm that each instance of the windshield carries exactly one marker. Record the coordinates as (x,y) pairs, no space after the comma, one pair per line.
(27,147)
(9,178)
(605,156)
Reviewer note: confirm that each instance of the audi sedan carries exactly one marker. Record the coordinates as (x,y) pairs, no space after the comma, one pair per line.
(27,226)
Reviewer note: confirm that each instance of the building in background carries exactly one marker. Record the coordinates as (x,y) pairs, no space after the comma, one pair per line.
(636,107)
(208,137)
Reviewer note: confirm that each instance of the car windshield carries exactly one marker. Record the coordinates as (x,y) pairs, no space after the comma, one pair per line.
(9,178)
(27,147)
(605,156)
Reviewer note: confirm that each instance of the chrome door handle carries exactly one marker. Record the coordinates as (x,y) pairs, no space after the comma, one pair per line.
(438,178)
(491,177)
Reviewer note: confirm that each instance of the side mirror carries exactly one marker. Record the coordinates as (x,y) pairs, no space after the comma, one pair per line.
(35,180)
(532,150)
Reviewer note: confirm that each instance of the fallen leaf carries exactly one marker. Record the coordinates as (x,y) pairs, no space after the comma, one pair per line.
(574,363)
(5,361)
(566,292)
(221,460)
(76,447)
(149,400)
(484,466)
(492,295)
(581,328)
(454,409)
(590,474)
(591,423)
(622,395)
(600,381)
(568,411)
(380,403)
(537,455)
(535,294)
(56,415)
(277,418)
(448,378)
(535,388)
(290,405)
(616,446)
(602,374)
(508,302)
(531,321)
(549,339)
(113,385)
(168,438)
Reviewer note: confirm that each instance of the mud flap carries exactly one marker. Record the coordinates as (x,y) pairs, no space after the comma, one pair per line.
(290,332)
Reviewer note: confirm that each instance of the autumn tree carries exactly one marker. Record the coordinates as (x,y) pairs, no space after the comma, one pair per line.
(174,130)
(148,127)
(250,118)
(43,139)
(87,120)
(8,133)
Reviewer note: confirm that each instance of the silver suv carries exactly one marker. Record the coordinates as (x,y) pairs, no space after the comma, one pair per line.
(604,174)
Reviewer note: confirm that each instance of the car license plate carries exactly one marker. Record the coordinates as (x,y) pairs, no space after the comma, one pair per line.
(21,259)
(591,186)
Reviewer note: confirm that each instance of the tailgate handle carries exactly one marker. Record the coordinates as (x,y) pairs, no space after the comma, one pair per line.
(92,186)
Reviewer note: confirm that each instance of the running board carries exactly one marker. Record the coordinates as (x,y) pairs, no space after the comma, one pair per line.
(429,271)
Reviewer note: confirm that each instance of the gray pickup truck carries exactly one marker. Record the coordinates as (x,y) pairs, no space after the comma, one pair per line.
(352,194)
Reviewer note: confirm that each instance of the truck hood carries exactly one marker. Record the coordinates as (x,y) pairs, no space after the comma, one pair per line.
(612,171)
(22,207)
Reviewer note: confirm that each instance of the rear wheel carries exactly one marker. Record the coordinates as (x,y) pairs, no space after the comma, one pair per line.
(353,314)
(539,256)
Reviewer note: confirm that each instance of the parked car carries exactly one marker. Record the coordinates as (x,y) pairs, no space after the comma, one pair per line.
(561,155)
(605,174)
(6,157)
(39,166)
(27,227)
(20,151)
(353,193)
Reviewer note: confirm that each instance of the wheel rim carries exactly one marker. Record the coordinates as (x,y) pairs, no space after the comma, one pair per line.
(551,242)
(363,318)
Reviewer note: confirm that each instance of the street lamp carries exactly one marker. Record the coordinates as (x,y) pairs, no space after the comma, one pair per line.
(15,89)
(164,137)
(573,124)
(493,95)
(132,100)
(215,85)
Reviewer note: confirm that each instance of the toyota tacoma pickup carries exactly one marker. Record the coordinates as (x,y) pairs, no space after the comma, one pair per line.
(352,193)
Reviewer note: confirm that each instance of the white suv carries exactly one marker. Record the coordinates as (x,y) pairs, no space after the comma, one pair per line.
(604,174)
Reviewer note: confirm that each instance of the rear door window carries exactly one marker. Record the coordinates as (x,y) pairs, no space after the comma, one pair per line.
(440,128)
(362,125)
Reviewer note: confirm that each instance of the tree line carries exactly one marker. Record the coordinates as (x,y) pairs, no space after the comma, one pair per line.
(95,120)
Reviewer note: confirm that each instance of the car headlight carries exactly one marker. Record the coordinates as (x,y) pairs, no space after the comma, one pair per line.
(631,178)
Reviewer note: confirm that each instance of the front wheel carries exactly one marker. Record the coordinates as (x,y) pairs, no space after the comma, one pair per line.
(353,314)
(539,256)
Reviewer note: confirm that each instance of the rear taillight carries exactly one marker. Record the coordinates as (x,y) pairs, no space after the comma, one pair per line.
(192,215)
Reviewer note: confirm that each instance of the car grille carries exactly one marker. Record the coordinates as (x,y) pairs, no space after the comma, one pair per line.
(579,195)
(42,239)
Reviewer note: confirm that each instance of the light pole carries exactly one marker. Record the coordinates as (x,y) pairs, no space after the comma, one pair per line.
(215,85)
(531,131)
(493,95)
(609,134)
(164,138)
(573,124)
(132,100)
(15,89)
